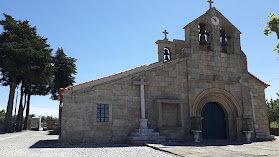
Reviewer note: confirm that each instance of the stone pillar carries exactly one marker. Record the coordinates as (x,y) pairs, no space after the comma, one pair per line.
(143,134)
(143,120)
(253,111)
(142,101)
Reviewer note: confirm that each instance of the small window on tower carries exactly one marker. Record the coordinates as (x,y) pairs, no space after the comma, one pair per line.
(102,113)
(166,54)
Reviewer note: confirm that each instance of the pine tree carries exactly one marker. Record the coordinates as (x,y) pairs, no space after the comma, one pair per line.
(25,58)
(10,62)
(64,69)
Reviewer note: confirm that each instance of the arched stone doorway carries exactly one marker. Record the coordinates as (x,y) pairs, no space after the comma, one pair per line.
(214,122)
(230,107)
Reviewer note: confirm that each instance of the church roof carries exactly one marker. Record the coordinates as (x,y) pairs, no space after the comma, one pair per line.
(265,84)
(126,73)
(113,77)
(210,10)
(108,78)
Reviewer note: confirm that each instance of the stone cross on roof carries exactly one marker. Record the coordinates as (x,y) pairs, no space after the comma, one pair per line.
(165,32)
(210,3)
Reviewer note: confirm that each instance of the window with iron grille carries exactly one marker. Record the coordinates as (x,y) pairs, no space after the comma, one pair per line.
(103,113)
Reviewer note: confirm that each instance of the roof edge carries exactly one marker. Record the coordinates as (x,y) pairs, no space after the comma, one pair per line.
(263,83)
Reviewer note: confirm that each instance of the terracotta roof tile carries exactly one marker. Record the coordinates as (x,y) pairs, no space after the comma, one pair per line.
(267,85)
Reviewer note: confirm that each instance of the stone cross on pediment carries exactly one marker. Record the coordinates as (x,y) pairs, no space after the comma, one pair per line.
(165,32)
(210,3)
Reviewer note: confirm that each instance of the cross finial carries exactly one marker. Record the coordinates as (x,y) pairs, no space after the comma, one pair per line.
(165,32)
(210,3)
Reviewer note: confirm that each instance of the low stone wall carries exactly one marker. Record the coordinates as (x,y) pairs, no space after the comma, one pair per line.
(274,131)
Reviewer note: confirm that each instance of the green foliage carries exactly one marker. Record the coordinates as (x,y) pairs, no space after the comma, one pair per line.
(273,111)
(272,26)
(44,119)
(25,57)
(31,115)
(64,69)
(2,114)
(274,125)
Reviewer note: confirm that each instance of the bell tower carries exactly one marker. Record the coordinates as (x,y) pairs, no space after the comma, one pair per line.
(212,32)
(169,50)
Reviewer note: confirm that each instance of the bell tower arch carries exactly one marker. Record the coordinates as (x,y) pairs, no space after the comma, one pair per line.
(169,50)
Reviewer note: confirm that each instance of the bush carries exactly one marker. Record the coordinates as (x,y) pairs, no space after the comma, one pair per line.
(273,112)
(2,114)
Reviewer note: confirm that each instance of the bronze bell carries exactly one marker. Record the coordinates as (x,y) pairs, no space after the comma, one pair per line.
(224,37)
(202,40)
(166,52)
(202,32)
(166,57)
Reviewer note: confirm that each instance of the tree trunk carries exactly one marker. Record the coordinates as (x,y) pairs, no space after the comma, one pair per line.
(20,110)
(27,112)
(9,111)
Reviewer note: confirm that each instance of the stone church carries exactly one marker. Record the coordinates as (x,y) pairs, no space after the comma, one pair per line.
(200,83)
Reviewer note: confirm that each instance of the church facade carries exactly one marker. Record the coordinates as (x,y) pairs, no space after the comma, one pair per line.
(200,83)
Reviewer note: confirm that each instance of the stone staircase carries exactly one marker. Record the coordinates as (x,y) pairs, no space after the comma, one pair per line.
(260,135)
(144,136)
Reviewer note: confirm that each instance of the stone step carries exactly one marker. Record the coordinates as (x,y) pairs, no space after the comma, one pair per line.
(145,142)
(145,134)
(260,133)
(144,130)
(266,137)
(257,130)
(161,139)
(147,138)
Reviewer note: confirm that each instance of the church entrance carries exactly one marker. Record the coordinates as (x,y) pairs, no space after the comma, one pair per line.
(213,123)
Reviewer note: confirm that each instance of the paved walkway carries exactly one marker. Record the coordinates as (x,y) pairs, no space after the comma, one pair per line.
(40,144)
(224,149)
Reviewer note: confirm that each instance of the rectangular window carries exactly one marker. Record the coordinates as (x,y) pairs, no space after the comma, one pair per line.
(103,113)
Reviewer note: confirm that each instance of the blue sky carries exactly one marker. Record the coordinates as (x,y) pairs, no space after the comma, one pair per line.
(109,36)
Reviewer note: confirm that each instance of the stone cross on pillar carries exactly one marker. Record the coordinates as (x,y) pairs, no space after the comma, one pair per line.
(210,3)
(143,120)
(165,32)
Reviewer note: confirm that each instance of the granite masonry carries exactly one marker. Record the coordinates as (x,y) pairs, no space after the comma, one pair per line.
(201,83)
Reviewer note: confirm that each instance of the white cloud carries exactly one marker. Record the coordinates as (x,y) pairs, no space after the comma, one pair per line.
(40,111)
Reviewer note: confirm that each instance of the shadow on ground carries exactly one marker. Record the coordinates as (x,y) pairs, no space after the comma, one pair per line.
(206,143)
(55,144)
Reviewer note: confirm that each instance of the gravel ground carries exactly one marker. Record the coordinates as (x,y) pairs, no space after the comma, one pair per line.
(40,144)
